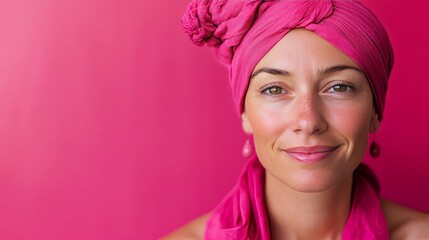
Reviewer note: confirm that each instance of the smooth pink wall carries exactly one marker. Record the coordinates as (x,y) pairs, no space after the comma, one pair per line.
(114,126)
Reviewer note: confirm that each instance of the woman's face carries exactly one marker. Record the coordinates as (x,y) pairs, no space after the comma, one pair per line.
(310,109)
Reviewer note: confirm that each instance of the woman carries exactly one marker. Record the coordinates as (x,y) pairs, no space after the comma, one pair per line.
(309,79)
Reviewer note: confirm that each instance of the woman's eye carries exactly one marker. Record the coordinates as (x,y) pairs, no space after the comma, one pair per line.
(341,88)
(274,90)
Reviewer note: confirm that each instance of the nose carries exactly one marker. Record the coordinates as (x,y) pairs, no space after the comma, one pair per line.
(308,118)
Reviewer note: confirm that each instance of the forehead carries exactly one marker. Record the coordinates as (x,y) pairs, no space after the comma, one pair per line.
(302,49)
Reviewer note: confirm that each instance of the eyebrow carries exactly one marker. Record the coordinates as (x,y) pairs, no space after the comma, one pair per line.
(329,70)
(339,68)
(272,71)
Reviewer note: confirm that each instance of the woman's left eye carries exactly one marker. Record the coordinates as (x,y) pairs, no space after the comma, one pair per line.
(341,88)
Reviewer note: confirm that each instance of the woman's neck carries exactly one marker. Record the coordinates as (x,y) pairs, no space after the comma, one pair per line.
(298,215)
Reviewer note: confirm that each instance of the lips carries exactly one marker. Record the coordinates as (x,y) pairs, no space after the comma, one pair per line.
(311,154)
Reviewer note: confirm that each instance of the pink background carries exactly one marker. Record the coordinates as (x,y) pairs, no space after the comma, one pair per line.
(114,126)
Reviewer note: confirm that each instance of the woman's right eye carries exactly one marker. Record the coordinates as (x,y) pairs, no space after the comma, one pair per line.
(273,90)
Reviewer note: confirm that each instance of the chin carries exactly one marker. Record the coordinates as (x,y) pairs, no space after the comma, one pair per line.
(315,181)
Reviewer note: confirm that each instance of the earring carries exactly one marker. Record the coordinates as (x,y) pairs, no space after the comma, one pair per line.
(374,149)
(247,149)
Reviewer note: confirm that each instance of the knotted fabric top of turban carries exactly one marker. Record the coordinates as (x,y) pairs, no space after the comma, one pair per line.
(243,31)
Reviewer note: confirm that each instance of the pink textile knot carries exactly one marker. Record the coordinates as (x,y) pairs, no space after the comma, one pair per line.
(220,23)
(197,22)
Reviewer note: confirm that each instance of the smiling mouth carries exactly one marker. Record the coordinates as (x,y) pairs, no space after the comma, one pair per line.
(311,154)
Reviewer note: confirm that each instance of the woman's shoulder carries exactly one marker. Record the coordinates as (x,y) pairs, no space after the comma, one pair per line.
(405,223)
(193,230)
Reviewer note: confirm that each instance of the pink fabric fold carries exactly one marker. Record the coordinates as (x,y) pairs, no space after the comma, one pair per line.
(242,214)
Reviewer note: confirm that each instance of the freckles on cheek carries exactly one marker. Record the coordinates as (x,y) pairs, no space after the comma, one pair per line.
(267,127)
(352,119)
(266,121)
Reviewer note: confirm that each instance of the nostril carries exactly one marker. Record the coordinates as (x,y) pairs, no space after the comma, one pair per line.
(310,123)
(308,114)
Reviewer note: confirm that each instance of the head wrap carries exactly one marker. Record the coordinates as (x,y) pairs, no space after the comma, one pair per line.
(243,31)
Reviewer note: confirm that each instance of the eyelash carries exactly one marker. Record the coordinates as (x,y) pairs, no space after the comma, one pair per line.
(265,89)
(347,85)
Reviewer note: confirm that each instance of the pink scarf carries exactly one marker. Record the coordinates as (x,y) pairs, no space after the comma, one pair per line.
(242,214)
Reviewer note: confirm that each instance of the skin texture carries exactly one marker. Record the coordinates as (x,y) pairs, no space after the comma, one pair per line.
(304,108)
(305,92)
(311,94)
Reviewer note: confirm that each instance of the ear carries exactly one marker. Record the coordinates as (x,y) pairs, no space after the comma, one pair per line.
(245,124)
(375,123)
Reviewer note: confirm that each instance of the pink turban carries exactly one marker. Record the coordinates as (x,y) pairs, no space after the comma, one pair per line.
(243,31)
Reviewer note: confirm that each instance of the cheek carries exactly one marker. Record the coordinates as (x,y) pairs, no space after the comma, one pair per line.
(267,121)
(268,124)
(351,121)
